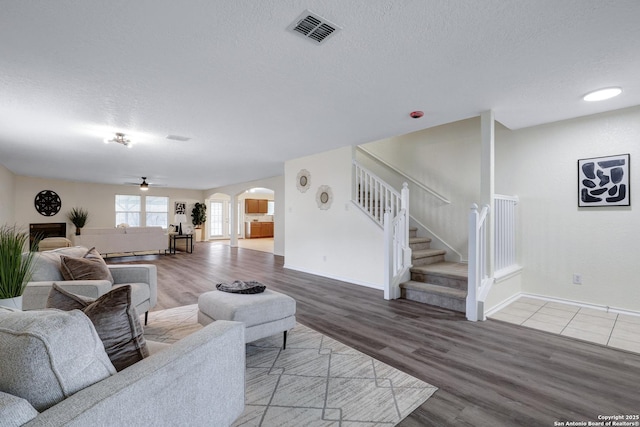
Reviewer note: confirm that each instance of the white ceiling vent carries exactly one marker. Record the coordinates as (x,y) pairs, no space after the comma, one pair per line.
(313,27)
(178,138)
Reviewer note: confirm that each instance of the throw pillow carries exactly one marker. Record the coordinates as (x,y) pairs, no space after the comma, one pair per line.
(114,318)
(240,287)
(49,355)
(90,267)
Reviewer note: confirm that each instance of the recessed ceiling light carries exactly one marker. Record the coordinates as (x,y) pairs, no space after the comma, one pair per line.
(602,94)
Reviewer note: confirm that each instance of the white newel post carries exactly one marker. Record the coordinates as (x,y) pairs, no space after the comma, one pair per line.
(233,238)
(388,255)
(404,205)
(474,263)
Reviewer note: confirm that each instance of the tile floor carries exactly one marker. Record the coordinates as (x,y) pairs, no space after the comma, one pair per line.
(611,329)
(262,245)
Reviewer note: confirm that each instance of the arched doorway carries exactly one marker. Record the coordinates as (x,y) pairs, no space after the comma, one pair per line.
(256,210)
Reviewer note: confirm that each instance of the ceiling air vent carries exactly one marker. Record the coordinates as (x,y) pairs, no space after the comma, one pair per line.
(178,138)
(313,27)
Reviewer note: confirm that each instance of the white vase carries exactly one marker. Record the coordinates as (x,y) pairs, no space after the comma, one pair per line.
(13,303)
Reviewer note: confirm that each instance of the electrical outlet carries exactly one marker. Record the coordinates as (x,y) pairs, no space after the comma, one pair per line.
(577,279)
(324,258)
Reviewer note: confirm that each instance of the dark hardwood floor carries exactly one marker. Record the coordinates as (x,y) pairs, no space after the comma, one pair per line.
(488,373)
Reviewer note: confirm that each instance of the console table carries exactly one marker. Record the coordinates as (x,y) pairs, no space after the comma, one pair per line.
(188,240)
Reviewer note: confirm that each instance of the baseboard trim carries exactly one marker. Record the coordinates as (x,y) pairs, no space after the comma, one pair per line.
(581,304)
(507,273)
(503,304)
(330,276)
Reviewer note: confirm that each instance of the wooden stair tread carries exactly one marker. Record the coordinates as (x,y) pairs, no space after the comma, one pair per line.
(435,289)
(424,253)
(454,270)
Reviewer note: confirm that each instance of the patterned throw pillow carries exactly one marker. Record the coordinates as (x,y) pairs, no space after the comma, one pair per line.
(240,287)
(90,267)
(113,317)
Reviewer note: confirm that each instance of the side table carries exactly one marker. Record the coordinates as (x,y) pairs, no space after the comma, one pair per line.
(188,238)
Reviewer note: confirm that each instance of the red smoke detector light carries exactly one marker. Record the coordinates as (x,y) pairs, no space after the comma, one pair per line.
(416,114)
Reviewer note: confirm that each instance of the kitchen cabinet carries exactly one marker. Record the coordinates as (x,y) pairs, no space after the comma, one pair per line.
(256,206)
(257,229)
(267,229)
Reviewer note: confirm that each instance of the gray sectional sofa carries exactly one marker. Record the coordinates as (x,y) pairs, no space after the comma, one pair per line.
(46,271)
(198,381)
(54,373)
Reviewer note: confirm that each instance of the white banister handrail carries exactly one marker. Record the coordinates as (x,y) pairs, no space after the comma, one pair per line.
(404,175)
(389,209)
(373,195)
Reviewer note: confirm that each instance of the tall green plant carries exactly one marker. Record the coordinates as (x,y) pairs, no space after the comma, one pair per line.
(199,214)
(15,269)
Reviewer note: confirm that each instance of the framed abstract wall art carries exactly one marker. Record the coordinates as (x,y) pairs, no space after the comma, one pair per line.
(604,181)
(181,208)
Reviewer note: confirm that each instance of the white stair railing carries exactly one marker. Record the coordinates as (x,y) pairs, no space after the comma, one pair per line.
(373,195)
(396,247)
(390,210)
(505,232)
(478,268)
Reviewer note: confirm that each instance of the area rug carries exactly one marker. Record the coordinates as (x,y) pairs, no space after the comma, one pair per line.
(316,381)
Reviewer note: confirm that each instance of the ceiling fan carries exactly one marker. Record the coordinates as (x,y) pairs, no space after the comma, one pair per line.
(144,185)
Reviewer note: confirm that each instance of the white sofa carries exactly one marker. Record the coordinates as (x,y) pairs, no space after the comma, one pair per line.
(123,239)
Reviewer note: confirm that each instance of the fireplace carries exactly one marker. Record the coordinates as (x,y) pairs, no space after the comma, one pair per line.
(47,229)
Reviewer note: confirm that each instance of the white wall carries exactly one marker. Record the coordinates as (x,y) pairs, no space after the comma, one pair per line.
(539,164)
(98,199)
(7,196)
(340,242)
(276,184)
(446,159)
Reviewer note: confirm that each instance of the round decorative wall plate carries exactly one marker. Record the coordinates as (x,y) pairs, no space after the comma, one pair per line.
(47,203)
(324,197)
(303,180)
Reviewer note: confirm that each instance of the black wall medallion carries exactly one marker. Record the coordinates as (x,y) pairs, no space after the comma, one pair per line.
(47,203)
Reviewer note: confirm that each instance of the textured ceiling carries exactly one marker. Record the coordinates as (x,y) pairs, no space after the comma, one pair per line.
(251,95)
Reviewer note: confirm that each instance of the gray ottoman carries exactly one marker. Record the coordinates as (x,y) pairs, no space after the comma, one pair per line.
(263,314)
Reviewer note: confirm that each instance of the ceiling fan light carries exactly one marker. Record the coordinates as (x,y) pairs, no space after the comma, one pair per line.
(602,94)
(144,186)
(120,138)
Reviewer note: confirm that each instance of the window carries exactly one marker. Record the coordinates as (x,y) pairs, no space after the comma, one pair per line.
(157,211)
(270,207)
(128,210)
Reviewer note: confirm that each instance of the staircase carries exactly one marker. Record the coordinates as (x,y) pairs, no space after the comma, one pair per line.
(434,281)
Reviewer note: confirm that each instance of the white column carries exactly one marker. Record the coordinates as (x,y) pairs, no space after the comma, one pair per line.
(487,181)
(233,237)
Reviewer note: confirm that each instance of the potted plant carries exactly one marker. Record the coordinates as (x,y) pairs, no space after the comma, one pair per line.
(79,217)
(15,267)
(199,217)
